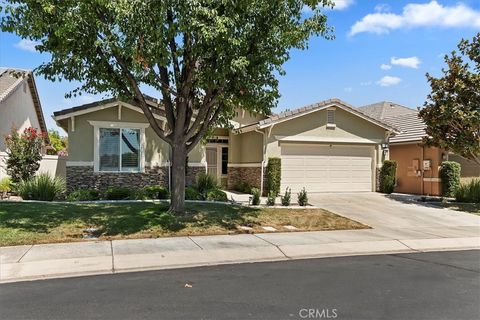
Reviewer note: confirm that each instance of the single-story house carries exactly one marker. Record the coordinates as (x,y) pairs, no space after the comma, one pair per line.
(417,164)
(325,147)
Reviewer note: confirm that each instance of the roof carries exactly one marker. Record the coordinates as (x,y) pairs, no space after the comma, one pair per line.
(12,79)
(287,115)
(406,119)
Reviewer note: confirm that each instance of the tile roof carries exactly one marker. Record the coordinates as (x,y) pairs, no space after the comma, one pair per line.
(406,119)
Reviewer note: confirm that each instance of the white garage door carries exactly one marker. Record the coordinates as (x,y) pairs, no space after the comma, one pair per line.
(321,168)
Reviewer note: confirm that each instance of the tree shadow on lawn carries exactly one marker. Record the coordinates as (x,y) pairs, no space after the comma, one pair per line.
(122,218)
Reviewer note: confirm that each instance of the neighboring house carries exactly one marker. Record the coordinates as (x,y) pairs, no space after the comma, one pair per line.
(324,147)
(417,164)
(19,103)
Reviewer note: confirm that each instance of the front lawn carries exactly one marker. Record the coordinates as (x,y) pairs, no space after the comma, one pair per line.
(31,223)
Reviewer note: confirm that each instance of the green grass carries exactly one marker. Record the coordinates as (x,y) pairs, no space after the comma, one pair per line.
(32,223)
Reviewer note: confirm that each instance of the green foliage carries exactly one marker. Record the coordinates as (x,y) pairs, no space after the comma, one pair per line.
(387,176)
(84,195)
(274,168)
(243,186)
(271,198)
(255,196)
(468,192)
(286,197)
(302,198)
(57,142)
(206,182)
(5,185)
(169,222)
(156,192)
(23,153)
(450,176)
(217,195)
(452,112)
(192,194)
(42,187)
(118,193)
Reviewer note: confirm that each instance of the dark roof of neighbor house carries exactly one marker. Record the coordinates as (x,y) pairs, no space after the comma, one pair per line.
(404,118)
(11,79)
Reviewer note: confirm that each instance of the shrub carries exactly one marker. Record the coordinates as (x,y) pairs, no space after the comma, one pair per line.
(468,192)
(84,195)
(302,198)
(274,167)
(156,192)
(450,176)
(243,186)
(271,198)
(5,185)
(206,182)
(387,176)
(192,194)
(42,187)
(286,197)
(118,193)
(217,195)
(23,153)
(255,196)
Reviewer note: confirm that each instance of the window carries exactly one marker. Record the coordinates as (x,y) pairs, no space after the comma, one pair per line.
(119,149)
(224,160)
(330,118)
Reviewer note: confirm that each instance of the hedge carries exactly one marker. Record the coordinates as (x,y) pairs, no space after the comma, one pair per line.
(274,168)
(450,176)
(387,176)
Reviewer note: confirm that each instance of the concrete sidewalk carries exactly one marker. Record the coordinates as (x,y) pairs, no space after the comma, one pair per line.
(33,262)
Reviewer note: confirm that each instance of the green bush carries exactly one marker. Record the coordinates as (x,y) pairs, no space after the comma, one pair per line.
(206,182)
(274,168)
(156,192)
(5,185)
(468,192)
(84,195)
(192,194)
(217,195)
(118,193)
(302,198)
(286,197)
(271,198)
(387,176)
(42,187)
(255,196)
(450,176)
(243,186)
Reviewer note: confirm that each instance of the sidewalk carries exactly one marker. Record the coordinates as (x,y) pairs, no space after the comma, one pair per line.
(32,262)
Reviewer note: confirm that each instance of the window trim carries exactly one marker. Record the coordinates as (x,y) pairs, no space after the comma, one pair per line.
(117,125)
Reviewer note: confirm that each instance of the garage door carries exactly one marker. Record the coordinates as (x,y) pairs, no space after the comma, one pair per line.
(322,168)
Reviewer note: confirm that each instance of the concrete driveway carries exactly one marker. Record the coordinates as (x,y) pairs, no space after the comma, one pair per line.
(394,211)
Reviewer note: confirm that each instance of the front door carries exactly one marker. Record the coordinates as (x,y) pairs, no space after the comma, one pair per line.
(212,164)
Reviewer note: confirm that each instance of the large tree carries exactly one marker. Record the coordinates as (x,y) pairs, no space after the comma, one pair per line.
(452,111)
(204,57)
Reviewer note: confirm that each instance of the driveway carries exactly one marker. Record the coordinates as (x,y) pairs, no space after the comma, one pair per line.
(394,211)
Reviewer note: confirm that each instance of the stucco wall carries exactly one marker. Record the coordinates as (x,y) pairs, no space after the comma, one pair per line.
(17,110)
(244,117)
(469,168)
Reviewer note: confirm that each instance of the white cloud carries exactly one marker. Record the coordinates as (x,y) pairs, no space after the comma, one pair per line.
(418,15)
(27,45)
(411,62)
(385,66)
(366,83)
(339,5)
(348,89)
(388,81)
(382,7)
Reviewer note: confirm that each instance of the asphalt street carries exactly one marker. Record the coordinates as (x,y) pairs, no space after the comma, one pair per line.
(440,285)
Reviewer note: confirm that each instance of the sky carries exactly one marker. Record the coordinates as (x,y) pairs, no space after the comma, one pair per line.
(381,52)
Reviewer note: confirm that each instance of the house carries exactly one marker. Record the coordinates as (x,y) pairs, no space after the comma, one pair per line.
(324,147)
(19,103)
(417,164)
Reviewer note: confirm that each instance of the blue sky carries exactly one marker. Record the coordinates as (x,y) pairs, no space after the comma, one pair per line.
(409,38)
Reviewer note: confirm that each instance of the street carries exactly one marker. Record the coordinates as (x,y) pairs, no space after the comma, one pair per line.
(437,285)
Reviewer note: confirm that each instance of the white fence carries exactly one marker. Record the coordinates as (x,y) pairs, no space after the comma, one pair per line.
(54,165)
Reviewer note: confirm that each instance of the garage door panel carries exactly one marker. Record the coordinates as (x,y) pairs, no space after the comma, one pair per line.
(321,168)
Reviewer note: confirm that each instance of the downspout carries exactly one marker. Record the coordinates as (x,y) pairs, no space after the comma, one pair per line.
(263,159)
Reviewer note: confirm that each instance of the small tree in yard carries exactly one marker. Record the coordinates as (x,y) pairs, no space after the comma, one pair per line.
(203,57)
(23,153)
(452,112)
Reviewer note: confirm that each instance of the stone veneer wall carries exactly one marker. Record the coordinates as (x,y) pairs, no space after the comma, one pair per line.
(191,175)
(250,175)
(377,179)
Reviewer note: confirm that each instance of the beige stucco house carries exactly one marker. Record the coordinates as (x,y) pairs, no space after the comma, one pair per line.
(328,146)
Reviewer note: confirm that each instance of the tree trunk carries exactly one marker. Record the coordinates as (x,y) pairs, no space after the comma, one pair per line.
(177,192)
